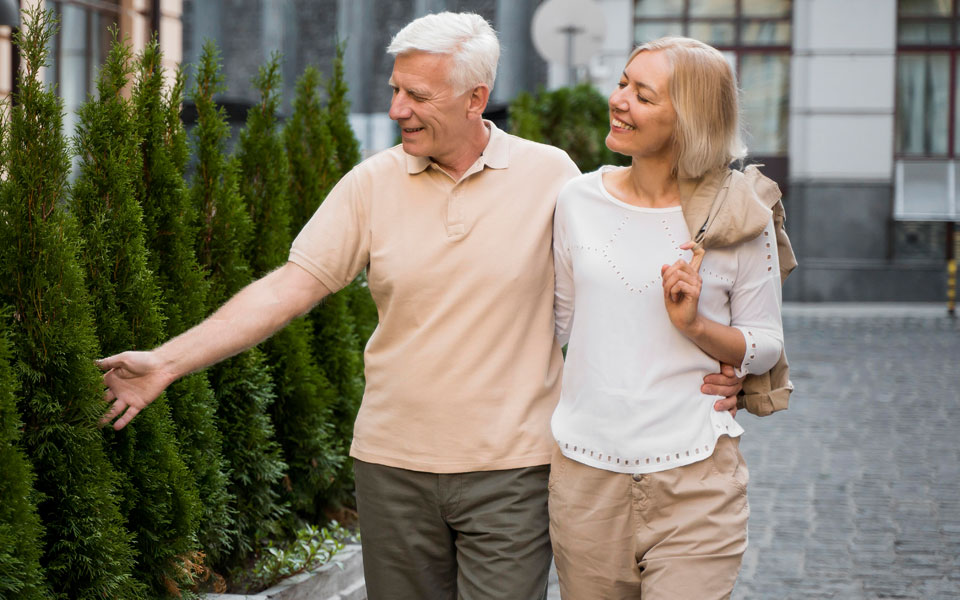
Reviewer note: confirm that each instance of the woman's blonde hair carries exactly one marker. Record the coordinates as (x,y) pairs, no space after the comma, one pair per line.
(704,93)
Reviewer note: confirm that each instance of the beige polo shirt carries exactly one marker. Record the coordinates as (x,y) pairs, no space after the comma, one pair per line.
(463,371)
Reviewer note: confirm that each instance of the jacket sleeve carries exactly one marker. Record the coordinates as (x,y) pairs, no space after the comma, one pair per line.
(755,302)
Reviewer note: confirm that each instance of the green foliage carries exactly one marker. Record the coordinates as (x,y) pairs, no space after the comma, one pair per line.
(575,119)
(311,548)
(301,411)
(311,151)
(87,553)
(242,384)
(20,528)
(316,155)
(160,498)
(338,107)
(170,228)
(358,298)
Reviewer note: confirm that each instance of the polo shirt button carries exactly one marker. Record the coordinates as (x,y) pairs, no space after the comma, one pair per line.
(638,476)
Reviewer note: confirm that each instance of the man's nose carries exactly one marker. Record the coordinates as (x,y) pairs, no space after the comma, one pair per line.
(399,109)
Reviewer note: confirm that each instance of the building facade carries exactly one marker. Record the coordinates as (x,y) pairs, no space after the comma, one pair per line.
(83,38)
(851,104)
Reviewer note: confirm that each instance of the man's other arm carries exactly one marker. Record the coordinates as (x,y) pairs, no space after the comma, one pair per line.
(135,379)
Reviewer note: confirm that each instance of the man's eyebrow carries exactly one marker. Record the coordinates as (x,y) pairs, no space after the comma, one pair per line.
(410,90)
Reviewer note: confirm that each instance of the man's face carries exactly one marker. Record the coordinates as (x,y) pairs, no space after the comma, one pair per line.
(432,117)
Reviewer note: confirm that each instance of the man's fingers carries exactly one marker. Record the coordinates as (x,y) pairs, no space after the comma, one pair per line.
(109,396)
(110,362)
(728,370)
(126,418)
(115,409)
(730,402)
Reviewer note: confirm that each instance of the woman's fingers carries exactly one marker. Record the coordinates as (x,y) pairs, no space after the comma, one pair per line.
(671,280)
(697,259)
(683,289)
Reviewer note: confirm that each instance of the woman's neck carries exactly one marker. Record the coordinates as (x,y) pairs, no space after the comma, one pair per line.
(648,183)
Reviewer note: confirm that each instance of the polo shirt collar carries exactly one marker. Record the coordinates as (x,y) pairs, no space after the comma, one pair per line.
(495,155)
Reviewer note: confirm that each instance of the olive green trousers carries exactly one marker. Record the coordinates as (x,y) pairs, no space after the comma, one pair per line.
(480,535)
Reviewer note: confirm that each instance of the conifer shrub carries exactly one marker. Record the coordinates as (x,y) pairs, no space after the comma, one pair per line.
(21,575)
(87,552)
(574,119)
(160,498)
(242,384)
(338,107)
(170,227)
(301,412)
(312,149)
(347,155)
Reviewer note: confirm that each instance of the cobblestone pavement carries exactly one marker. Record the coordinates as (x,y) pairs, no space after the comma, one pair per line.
(855,491)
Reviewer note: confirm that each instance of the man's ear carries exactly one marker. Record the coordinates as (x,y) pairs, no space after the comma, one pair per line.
(477,102)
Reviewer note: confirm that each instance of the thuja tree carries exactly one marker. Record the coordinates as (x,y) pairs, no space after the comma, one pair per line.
(347,155)
(87,551)
(314,169)
(160,497)
(20,530)
(311,151)
(301,412)
(170,227)
(574,119)
(243,387)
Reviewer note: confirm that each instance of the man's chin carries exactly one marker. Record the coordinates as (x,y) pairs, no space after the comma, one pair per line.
(413,148)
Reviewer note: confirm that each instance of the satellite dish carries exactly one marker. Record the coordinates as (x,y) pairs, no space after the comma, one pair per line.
(569,32)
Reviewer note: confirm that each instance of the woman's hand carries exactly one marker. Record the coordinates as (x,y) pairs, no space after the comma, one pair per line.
(681,291)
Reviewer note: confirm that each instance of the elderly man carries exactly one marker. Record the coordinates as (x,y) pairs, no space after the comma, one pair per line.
(452,442)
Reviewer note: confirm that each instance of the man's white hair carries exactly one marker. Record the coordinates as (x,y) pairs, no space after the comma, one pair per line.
(467,37)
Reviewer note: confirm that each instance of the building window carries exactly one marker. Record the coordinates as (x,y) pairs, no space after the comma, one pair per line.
(755,36)
(78,49)
(927,124)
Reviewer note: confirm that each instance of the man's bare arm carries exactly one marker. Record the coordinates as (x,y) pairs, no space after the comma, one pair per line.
(135,379)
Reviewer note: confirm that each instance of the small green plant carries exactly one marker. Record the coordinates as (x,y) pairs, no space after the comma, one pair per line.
(574,119)
(313,547)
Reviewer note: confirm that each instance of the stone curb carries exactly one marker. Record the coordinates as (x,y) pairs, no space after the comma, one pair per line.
(866,310)
(341,579)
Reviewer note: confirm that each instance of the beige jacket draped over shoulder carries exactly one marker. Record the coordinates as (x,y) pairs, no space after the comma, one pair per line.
(726,207)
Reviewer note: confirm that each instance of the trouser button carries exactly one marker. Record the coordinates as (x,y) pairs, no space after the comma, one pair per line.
(638,476)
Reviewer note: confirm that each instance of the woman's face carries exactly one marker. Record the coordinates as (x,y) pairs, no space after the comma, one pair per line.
(642,118)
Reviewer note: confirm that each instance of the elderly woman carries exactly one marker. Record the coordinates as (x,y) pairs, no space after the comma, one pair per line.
(648,489)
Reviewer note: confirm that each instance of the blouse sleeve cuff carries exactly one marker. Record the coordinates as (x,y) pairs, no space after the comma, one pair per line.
(762,352)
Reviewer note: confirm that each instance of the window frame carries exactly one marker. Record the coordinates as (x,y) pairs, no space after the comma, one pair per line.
(952,50)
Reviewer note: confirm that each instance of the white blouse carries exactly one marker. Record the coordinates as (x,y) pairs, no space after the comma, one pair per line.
(631,399)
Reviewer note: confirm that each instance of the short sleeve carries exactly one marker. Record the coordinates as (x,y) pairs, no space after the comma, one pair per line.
(334,245)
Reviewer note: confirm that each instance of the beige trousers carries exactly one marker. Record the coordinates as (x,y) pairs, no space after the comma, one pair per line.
(677,534)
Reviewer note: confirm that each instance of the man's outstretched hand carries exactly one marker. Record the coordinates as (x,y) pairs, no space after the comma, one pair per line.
(133,380)
(725,383)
